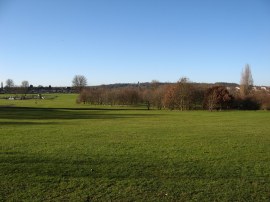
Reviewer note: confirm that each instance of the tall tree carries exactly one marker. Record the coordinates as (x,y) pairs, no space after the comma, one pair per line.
(79,82)
(9,83)
(25,86)
(158,97)
(152,96)
(246,82)
(183,94)
(169,97)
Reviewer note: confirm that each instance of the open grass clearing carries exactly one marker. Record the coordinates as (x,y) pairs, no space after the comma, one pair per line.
(57,150)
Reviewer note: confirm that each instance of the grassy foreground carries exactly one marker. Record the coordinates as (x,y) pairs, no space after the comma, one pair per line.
(55,150)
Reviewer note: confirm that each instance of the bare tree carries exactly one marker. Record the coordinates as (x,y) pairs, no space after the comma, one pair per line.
(246,82)
(169,97)
(183,94)
(9,83)
(147,96)
(79,82)
(25,84)
(158,96)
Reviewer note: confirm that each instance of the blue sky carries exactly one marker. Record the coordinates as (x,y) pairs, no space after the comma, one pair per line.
(47,42)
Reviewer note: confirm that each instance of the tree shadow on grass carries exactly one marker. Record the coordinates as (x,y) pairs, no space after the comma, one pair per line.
(23,123)
(66,113)
(95,166)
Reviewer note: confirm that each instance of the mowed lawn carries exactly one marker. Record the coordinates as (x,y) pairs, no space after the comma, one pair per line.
(57,150)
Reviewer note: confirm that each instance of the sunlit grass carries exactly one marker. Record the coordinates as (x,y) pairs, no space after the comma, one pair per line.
(54,150)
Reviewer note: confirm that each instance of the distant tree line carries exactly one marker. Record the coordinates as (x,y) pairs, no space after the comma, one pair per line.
(78,83)
(183,95)
(24,90)
(179,96)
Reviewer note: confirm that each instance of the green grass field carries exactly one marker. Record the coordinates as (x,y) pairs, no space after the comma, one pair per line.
(56,150)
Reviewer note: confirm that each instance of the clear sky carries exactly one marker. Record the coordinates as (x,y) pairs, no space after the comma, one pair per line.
(47,42)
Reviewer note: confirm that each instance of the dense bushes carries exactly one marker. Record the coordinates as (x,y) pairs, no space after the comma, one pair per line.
(217,97)
(247,103)
(99,96)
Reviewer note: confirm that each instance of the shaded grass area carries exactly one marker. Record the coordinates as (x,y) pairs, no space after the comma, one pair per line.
(94,154)
(66,113)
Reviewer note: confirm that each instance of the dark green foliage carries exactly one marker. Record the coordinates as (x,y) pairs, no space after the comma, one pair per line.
(247,103)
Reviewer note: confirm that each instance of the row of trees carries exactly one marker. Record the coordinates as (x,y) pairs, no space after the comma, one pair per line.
(183,95)
(78,82)
(10,84)
(11,88)
(180,96)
